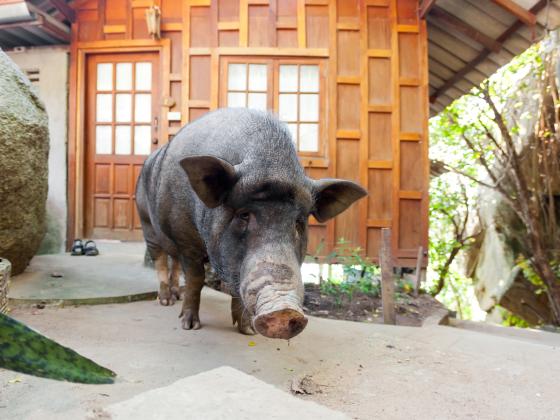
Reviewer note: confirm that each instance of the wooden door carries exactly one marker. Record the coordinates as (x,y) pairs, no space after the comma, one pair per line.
(122,95)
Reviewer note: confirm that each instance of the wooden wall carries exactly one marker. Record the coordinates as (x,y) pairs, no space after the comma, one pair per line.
(375,53)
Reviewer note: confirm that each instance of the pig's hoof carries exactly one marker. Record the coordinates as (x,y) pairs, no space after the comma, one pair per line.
(166,297)
(190,320)
(241,317)
(175,293)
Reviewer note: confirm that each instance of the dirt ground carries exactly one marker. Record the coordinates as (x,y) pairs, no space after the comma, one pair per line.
(364,370)
(410,311)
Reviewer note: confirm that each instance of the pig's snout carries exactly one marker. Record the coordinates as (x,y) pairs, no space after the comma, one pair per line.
(273,293)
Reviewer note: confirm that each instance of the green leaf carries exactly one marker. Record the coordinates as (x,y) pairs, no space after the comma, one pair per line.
(24,350)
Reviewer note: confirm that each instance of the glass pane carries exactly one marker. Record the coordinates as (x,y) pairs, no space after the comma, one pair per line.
(309,107)
(257,101)
(122,140)
(124,107)
(143,76)
(309,79)
(103,140)
(143,107)
(293,132)
(257,77)
(104,107)
(104,76)
(236,100)
(124,76)
(309,137)
(142,140)
(288,78)
(237,77)
(287,107)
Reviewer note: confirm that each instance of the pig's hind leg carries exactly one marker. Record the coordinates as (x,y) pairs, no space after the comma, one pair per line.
(165,295)
(194,281)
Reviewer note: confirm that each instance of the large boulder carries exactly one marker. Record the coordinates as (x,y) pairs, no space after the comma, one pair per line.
(24,149)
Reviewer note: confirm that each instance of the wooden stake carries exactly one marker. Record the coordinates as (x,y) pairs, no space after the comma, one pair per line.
(387,278)
(418,277)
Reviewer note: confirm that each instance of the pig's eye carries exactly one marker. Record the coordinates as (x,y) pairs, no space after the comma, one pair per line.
(244,216)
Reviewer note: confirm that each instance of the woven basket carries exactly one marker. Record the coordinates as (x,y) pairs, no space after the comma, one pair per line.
(5,270)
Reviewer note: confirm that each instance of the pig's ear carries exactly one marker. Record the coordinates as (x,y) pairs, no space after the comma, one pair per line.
(333,196)
(211,178)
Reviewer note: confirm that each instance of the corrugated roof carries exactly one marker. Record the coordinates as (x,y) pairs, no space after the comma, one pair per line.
(470,39)
(34,22)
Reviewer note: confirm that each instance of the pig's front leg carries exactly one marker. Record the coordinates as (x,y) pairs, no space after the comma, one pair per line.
(194,281)
(165,296)
(241,317)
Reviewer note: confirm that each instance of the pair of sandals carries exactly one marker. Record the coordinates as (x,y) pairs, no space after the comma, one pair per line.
(88,248)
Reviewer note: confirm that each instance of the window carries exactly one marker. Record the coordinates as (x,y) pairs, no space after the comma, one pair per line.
(291,89)
(123,108)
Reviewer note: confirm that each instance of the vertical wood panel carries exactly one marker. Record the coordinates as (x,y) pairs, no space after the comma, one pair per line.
(317,26)
(348,223)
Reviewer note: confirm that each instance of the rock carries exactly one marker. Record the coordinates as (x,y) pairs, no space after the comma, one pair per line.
(24,149)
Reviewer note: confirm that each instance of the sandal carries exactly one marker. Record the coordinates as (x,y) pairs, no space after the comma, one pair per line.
(77,248)
(90,249)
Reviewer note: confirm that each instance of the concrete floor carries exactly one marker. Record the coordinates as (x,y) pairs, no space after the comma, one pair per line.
(117,274)
(364,370)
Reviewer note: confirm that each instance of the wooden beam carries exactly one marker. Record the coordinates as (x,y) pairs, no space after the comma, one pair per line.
(66,10)
(425,8)
(484,53)
(522,14)
(450,21)
(387,279)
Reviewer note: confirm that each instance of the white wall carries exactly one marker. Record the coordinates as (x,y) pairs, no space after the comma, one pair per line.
(52,63)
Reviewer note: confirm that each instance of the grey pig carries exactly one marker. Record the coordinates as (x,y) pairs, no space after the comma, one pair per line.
(229,189)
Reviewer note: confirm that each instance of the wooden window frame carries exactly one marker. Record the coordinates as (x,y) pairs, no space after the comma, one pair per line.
(273,88)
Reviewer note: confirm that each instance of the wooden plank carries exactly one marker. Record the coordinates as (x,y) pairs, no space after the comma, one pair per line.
(380,108)
(243,23)
(411,195)
(387,278)
(451,21)
(380,164)
(418,273)
(172,27)
(228,26)
(114,29)
(317,2)
(198,103)
(409,81)
(314,162)
(175,77)
(348,134)
(64,9)
(425,8)
(332,114)
(141,3)
(379,223)
(522,14)
(407,29)
(266,51)
(301,31)
(286,22)
(395,126)
(379,53)
(403,136)
(348,26)
(348,80)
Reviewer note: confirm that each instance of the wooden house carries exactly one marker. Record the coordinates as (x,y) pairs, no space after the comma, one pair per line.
(353,79)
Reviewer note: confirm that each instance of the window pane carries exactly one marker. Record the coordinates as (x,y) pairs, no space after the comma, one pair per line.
(103,140)
(287,107)
(257,101)
(236,100)
(309,137)
(143,107)
(122,140)
(257,77)
(123,107)
(237,77)
(142,139)
(288,78)
(309,79)
(143,76)
(104,76)
(104,107)
(293,132)
(124,76)
(309,107)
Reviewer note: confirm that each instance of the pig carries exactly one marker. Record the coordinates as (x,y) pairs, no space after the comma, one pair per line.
(229,189)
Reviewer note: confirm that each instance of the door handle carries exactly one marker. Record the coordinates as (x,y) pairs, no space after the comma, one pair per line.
(155,139)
